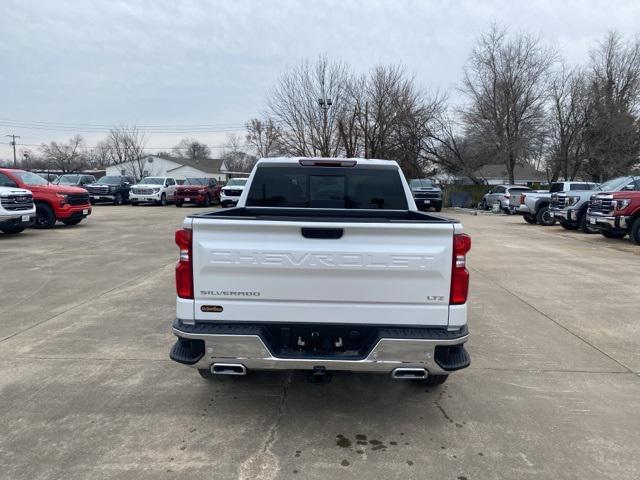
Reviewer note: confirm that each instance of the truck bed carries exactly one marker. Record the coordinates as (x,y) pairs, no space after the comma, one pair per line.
(324,215)
(372,267)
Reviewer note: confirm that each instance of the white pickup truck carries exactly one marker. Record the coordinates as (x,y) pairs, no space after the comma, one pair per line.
(17,209)
(324,265)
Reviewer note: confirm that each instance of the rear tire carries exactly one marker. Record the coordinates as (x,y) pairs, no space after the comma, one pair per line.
(163,200)
(75,221)
(439,208)
(178,204)
(584,226)
(530,219)
(134,203)
(207,201)
(45,218)
(117,200)
(12,229)
(206,374)
(634,231)
(433,380)
(544,216)
(616,235)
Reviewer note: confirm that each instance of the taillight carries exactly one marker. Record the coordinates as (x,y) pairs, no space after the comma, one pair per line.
(184,270)
(459,272)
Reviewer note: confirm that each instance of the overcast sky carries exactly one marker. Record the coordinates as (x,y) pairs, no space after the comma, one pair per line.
(175,62)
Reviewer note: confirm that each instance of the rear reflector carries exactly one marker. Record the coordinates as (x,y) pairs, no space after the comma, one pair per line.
(184,269)
(328,163)
(459,272)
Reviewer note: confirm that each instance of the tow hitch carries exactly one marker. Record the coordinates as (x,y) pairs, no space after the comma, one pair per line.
(319,376)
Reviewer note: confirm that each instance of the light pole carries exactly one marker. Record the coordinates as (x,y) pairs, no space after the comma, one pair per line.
(325,105)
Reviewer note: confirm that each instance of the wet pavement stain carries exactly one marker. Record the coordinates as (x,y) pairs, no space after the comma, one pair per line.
(393,443)
(409,462)
(375,442)
(360,436)
(379,447)
(343,441)
(345,463)
(481,454)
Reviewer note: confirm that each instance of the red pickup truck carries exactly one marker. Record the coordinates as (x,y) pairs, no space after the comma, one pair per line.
(616,214)
(202,191)
(53,202)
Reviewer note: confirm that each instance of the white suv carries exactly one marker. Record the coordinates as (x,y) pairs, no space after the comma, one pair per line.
(17,210)
(159,190)
(231,192)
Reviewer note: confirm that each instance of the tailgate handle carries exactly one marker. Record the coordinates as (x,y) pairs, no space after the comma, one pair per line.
(331,233)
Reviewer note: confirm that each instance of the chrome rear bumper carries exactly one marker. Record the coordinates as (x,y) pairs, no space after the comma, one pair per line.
(386,355)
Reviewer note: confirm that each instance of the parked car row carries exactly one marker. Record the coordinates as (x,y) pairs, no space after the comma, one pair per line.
(611,208)
(28,199)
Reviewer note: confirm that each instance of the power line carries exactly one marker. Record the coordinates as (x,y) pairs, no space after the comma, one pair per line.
(107,130)
(115,124)
(96,146)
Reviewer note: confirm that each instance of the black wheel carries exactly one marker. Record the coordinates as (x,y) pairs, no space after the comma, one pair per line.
(634,231)
(206,374)
(484,204)
(12,229)
(117,200)
(544,216)
(163,199)
(530,219)
(134,203)
(207,201)
(569,225)
(585,227)
(434,380)
(613,234)
(74,221)
(178,204)
(93,202)
(223,204)
(45,218)
(439,208)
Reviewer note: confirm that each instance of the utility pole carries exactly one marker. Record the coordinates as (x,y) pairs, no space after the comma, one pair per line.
(366,129)
(13,142)
(325,105)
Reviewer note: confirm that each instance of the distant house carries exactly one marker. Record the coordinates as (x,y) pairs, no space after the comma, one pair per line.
(497,174)
(178,168)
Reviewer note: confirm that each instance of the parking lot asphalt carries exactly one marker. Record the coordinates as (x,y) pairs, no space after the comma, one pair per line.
(87,389)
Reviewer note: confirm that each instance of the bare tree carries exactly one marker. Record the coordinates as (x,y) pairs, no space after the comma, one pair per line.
(125,145)
(506,82)
(306,103)
(569,116)
(66,157)
(613,132)
(263,137)
(236,159)
(192,149)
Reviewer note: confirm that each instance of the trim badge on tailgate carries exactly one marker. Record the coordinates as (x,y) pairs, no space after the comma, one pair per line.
(211,308)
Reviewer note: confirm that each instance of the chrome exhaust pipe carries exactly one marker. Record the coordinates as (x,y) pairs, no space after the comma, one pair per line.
(404,373)
(228,369)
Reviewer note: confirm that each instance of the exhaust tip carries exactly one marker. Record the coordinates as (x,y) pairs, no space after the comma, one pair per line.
(228,369)
(409,373)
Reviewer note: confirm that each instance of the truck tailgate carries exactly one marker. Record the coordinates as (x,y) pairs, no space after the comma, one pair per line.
(374,273)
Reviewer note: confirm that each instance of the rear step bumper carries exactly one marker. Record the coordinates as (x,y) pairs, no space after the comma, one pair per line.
(434,350)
